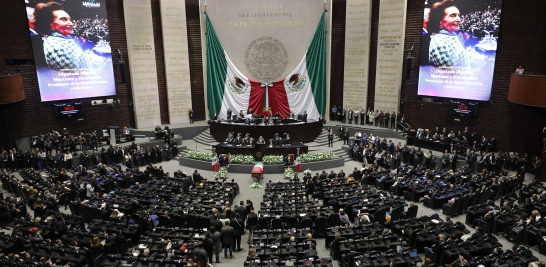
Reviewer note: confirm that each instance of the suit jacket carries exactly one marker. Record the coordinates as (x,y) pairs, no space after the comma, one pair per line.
(238,226)
(416,161)
(228,235)
(197,177)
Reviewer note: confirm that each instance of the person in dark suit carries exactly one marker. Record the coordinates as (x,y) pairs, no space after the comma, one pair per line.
(343,116)
(197,177)
(416,161)
(229,112)
(311,251)
(332,202)
(191,115)
(483,143)
(471,159)
(304,116)
(58,159)
(288,140)
(291,115)
(228,238)
(186,183)
(351,147)
(537,164)
(330,138)
(346,136)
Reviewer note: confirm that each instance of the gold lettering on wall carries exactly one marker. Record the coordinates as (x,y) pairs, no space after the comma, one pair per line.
(175,48)
(390,53)
(357,54)
(140,44)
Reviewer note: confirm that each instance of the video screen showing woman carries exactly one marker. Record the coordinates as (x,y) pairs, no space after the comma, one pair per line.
(458,48)
(71,46)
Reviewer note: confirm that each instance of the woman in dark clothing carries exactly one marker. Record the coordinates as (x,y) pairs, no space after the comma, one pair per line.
(38,208)
(208,245)
(174,148)
(97,247)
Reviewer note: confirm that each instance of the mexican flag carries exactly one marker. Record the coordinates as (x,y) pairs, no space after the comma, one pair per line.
(297,162)
(215,163)
(303,90)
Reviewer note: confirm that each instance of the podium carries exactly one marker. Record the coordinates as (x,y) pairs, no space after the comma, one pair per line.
(528,90)
(11,89)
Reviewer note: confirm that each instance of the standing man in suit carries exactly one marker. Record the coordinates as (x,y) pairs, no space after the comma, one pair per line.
(346,136)
(321,120)
(343,116)
(229,112)
(350,116)
(333,114)
(538,167)
(305,116)
(454,159)
(446,157)
(191,115)
(416,161)
(58,159)
(377,143)
(483,143)
(397,159)
(356,153)
(471,159)
(357,113)
(387,118)
(391,147)
(351,147)
(330,137)
(12,160)
(238,225)
(393,120)
(362,117)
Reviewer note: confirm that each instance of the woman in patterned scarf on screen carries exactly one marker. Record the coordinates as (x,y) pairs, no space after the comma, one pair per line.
(60,50)
(446,49)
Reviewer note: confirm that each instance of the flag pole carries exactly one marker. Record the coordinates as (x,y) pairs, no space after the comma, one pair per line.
(213,149)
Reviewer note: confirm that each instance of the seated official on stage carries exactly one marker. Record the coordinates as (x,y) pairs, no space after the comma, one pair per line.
(128,134)
(251,118)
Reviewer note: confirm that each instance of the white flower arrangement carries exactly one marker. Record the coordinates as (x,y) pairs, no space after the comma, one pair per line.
(319,156)
(223,173)
(288,173)
(255,186)
(241,159)
(272,159)
(307,172)
(207,156)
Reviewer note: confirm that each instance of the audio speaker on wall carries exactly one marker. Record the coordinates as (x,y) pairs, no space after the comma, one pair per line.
(408,68)
(122,72)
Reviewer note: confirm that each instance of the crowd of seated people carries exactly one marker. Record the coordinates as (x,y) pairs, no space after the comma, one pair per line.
(143,207)
(251,118)
(246,140)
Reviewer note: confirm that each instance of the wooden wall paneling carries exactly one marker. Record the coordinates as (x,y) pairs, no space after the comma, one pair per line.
(193,20)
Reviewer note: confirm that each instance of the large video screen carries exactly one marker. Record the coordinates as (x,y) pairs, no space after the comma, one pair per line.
(458,48)
(71,44)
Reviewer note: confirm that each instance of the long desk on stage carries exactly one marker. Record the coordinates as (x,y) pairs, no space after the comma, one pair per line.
(414,141)
(299,132)
(264,149)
